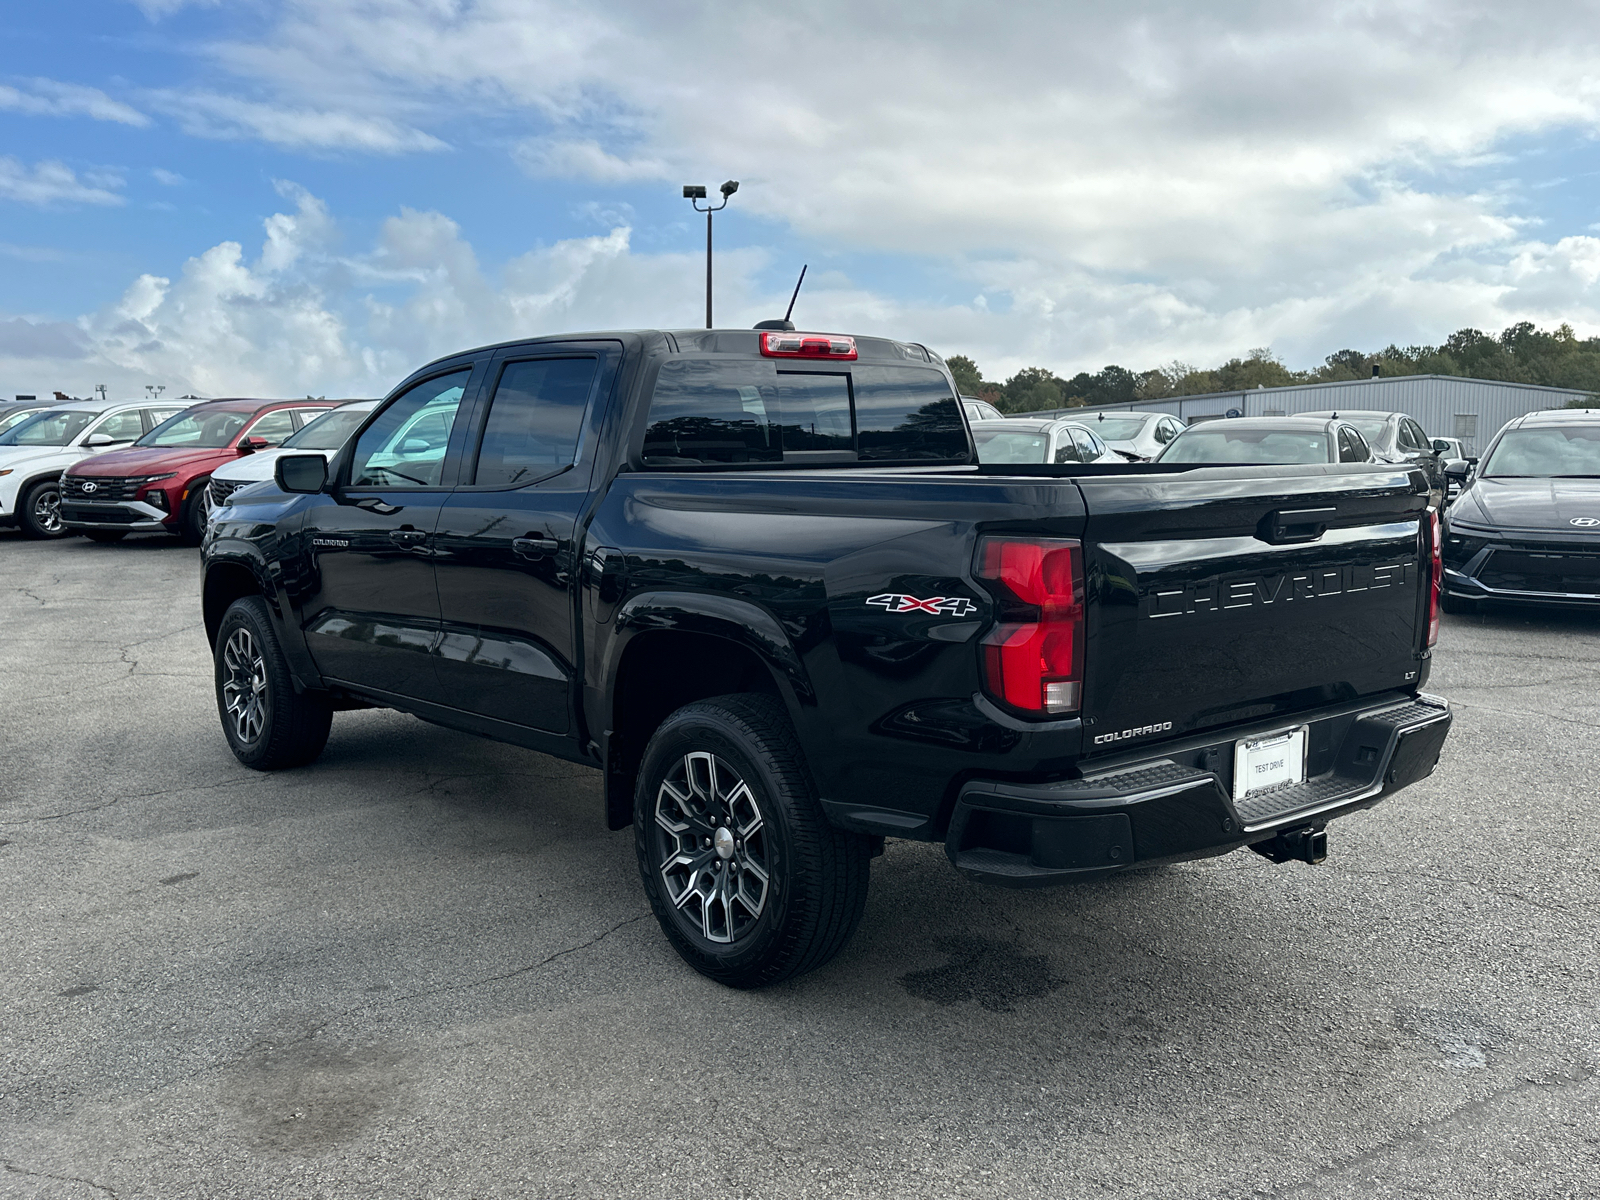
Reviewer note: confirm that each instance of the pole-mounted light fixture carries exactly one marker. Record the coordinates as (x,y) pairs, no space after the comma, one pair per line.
(694,193)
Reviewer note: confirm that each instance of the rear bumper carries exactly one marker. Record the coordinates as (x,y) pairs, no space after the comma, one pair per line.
(133,516)
(1167,809)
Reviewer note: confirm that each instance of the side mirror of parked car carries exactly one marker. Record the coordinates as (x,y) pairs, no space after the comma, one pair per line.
(96,440)
(251,444)
(1458,469)
(301,474)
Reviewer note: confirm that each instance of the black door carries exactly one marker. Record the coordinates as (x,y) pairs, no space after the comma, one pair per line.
(505,549)
(373,618)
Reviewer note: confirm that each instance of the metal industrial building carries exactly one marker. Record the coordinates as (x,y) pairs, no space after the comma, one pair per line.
(1445,405)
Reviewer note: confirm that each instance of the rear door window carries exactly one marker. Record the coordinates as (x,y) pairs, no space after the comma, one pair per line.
(739,411)
(1088,444)
(534,419)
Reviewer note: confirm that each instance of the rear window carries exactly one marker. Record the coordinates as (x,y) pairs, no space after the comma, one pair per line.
(726,411)
(1010,446)
(1243,447)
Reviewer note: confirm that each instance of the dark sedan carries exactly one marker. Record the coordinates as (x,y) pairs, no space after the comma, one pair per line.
(1395,438)
(1527,525)
(1250,441)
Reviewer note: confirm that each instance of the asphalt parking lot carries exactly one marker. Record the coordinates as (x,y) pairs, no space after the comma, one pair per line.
(422,967)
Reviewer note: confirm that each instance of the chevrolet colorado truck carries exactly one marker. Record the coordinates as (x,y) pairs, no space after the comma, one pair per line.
(761,582)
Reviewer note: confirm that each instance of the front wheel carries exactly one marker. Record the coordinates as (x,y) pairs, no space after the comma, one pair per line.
(192,522)
(39,511)
(268,724)
(748,880)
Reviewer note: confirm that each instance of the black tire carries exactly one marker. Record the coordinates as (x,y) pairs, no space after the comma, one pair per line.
(1459,606)
(816,876)
(192,524)
(39,510)
(268,724)
(105,536)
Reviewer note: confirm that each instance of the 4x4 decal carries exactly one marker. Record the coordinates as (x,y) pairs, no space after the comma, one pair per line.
(898,602)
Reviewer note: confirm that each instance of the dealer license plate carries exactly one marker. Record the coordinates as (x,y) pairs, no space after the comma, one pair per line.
(1269,762)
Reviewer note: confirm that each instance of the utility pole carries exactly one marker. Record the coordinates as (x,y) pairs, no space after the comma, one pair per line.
(694,193)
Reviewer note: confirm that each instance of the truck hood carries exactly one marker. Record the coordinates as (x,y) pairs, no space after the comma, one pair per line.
(1547,504)
(153,460)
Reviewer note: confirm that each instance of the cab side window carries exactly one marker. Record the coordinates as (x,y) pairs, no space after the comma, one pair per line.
(534,419)
(274,426)
(404,447)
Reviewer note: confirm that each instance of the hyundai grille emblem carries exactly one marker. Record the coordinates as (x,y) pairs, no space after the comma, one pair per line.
(91,487)
(1585,522)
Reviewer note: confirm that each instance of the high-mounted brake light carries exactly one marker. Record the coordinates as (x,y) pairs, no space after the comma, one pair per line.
(784,344)
(1435,574)
(1033,659)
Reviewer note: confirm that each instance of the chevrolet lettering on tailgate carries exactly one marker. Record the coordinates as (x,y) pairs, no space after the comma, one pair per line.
(1249,591)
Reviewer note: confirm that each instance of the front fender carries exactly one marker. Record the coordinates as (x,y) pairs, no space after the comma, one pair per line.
(224,562)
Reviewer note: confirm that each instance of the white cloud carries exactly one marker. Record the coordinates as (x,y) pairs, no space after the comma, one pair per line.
(1232,169)
(157,9)
(304,316)
(50,183)
(167,178)
(230,118)
(584,159)
(47,97)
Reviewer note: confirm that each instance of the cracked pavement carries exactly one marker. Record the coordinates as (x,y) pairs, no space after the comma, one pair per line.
(421,967)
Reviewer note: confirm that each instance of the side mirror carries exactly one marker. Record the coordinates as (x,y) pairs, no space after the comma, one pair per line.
(96,440)
(301,474)
(1472,461)
(1457,469)
(251,444)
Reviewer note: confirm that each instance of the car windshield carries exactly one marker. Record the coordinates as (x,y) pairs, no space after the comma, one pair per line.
(329,431)
(197,430)
(1010,446)
(1243,447)
(48,429)
(13,419)
(1119,429)
(1547,452)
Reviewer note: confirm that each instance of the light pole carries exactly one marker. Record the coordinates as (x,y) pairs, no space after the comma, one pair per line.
(694,193)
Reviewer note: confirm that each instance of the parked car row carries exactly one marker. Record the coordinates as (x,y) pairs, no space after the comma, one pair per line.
(107,468)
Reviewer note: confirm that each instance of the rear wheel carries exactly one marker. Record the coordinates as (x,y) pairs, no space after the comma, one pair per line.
(105,535)
(39,510)
(268,724)
(748,880)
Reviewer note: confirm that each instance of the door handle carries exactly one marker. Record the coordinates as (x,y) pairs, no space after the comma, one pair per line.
(407,537)
(534,547)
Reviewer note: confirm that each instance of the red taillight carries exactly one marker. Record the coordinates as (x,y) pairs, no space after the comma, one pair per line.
(1033,659)
(1435,575)
(781,344)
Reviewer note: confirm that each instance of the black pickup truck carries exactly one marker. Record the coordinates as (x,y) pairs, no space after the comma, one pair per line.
(759,580)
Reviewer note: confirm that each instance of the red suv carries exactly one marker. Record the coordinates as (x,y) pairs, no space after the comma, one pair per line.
(158,483)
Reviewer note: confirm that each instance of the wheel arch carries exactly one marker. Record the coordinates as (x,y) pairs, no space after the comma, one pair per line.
(225,582)
(672,651)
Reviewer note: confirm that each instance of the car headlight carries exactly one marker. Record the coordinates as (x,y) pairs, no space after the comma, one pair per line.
(1459,548)
(156,497)
(7,471)
(152,478)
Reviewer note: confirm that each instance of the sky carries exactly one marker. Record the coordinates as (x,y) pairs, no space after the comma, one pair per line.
(291,197)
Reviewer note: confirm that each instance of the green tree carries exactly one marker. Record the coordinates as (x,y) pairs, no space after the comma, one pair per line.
(1032,389)
(969,380)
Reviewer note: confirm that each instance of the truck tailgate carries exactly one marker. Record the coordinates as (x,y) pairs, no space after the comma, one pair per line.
(1230,594)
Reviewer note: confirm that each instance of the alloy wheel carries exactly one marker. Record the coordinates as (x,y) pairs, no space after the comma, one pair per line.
(712,844)
(47,510)
(244,690)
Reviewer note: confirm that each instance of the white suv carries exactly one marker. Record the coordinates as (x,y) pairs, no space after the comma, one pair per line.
(326,434)
(35,452)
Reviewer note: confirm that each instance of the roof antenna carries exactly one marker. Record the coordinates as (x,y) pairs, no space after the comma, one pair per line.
(786,323)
